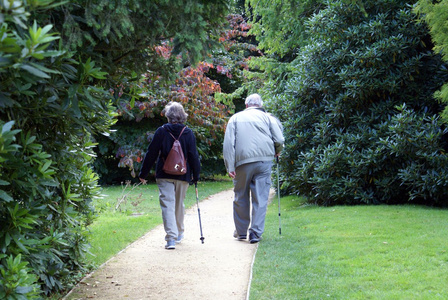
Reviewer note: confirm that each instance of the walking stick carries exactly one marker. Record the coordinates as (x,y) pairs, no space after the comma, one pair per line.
(278,192)
(199,212)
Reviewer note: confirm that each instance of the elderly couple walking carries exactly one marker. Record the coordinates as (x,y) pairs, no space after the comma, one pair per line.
(252,140)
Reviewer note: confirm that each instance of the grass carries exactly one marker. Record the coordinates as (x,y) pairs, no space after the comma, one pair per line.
(342,252)
(352,252)
(117,226)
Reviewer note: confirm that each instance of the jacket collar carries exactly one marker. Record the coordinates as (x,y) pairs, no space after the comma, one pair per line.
(254,107)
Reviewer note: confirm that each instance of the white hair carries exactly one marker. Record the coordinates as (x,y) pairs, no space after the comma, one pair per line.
(175,113)
(254,100)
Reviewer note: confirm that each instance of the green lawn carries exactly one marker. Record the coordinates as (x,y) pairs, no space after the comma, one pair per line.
(352,252)
(342,252)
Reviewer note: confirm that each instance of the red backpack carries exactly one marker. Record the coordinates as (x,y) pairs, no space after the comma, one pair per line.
(175,163)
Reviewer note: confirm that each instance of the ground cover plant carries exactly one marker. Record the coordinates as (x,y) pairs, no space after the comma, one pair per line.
(352,252)
(127,212)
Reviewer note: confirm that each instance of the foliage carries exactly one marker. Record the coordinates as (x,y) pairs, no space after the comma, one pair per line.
(279,25)
(137,123)
(132,46)
(208,92)
(359,116)
(16,282)
(435,14)
(124,35)
(49,109)
(279,28)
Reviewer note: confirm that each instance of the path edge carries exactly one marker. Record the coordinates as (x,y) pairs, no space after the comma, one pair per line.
(251,273)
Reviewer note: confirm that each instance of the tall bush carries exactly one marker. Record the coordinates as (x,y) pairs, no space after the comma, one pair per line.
(360,119)
(49,110)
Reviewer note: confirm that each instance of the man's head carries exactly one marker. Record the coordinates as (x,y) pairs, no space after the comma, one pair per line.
(254,100)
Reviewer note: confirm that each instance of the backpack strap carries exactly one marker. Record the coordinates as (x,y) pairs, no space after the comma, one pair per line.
(172,134)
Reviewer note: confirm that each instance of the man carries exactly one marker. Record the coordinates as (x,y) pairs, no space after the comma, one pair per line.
(252,140)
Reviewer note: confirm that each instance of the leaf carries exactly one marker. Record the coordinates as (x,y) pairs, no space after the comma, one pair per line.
(34,71)
(9,45)
(7,126)
(7,239)
(45,166)
(49,53)
(21,212)
(49,182)
(24,289)
(37,55)
(30,140)
(6,101)
(75,106)
(19,244)
(46,29)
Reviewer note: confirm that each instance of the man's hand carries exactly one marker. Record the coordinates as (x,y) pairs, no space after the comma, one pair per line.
(143,181)
(232,174)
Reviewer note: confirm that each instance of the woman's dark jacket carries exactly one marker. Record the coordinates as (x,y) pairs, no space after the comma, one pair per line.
(161,145)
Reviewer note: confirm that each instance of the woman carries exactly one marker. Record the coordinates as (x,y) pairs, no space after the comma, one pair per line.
(172,188)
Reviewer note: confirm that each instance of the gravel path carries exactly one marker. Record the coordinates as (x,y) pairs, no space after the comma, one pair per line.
(218,269)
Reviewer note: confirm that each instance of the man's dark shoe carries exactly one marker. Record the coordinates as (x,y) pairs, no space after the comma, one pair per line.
(239,237)
(253,238)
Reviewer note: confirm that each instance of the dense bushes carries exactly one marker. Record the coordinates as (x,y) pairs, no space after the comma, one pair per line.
(360,118)
(48,111)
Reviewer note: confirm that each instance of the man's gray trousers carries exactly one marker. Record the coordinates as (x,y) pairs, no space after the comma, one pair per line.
(252,179)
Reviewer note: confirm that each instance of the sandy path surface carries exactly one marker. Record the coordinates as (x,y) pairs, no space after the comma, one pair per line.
(218,269)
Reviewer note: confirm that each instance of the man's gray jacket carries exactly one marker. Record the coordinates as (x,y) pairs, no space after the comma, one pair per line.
(251,135)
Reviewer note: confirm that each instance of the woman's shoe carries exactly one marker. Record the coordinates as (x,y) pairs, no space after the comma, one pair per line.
(180,238)
(239,237)
(170,245)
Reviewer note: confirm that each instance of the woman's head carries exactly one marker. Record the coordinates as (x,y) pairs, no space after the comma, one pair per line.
(175,113)
(254,100)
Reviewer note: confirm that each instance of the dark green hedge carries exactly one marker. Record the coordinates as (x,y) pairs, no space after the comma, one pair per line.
(48,112)
(361,123)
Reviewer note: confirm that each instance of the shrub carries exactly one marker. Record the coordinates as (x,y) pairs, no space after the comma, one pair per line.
(363,124)
(48,111)
(17,281)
